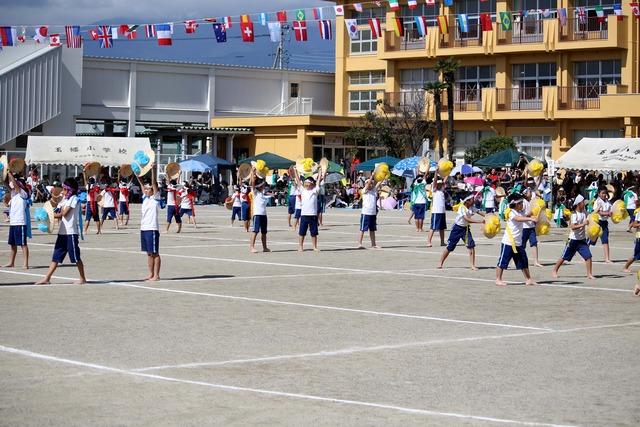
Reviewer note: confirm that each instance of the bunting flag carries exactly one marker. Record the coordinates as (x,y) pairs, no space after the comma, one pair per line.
(463,23)
(246,28)
(352,28)
(54,40)
(150,31)
(394,5)
(357,7)
(163,34)
(9,36)
(339,10)
(41,35)
(22,36)
(546,13)
(600,14)
(421,24)
(93,33)
(485,21)
(562,16)
(301,15)
(263,19)
(398,27)
(376,30)
(448,3)
(275,31)
(282,16)
(635,8)
(505,21)
(220,32)
(211,20)
(72,33)
(412,4)
(443,24)
(114,32)
(228,22)
(317,13)
(105,35)
(129,31)
(431,2)
(326,31)
(617,9)
(582,15)
(190,26)
(300,31)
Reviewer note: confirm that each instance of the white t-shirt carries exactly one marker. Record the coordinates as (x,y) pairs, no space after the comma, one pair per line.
(17,207)
(515,227)
(185,202)
(259,203)
(490,198)
(637,219)
(171,195)
(121,197)
(107,199)
(437,202)
(602,205)
(309,201)
(236,200)
(298,200)
(463,215)
(369,202)
(69,222)
(580,233)
(420,198)
(149,217)
(527,212)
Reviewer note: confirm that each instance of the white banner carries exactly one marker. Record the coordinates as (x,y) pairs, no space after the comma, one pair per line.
(604,154)
(78,150)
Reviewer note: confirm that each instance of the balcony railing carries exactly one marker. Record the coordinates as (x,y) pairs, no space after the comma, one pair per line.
(457,38)
(580,97)
(519,99)
(591,28)
(411,40)
(464,100)
(409,100)
(525,30)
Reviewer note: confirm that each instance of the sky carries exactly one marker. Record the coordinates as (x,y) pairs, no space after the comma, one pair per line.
(316,54)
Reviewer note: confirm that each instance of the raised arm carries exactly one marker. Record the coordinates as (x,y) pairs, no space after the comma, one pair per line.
(154,181)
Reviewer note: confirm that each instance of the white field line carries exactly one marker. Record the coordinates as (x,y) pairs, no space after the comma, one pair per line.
(274,393)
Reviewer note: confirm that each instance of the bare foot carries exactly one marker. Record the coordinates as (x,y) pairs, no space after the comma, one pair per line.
(146,279)
(530,282)
(154,279)
(79,282)
(43,282)
(300,249)
(253,250)
(636,290)
(626,270)
(608,261)
(360,246)
(429,245)
(409,222)
(590,277)
(376,247)
(8,266)
(474,268)
(440,267)
(316,250)
(554,274)
(537,264)
(501,283)
(266,250)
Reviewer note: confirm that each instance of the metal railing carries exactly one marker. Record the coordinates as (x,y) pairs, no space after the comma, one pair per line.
(525,30)
(519,98)
(409,100)
(580,97)
(293,107)
(589,28)
(457,38)
(464,99)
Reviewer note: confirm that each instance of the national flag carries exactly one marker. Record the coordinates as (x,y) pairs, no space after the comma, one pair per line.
(300,30)
(443,24)
(150,31)
(263,19)
(326,30)
(275,33)
(22,37)
(300,15)
(421,23)
(190,26)
(105,35)
(114,32)
(431,2)
(412,4)
(545,13)
(393,5)
(357,7)
(398,27)
(163,33)
(376,30)
(600,14)
(562,16)
(339,10)
(352,28)
(93,34)
(228,22)
(448,3)
(635,8)
(72,33)
(129,31)
(41,34)
(220,31)
(463,23)
(505,21)
(582,15)
(212,20)
(617,9)
(282,16)
(317,13)
(485,22)
(246,28)
(54,40)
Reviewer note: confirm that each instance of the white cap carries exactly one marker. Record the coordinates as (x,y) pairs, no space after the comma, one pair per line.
(579,198)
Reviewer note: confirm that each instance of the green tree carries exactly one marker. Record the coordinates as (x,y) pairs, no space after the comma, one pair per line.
(449,67)
(487,147)
(435,89)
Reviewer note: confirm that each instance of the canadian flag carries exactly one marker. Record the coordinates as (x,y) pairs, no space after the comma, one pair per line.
(54,40)
(190,26)
(41,34)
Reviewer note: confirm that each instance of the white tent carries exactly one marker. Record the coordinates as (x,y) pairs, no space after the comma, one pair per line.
(78,150)
(603,154)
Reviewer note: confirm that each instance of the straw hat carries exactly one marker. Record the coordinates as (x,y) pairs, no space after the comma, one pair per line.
(143,161)
(261,168)
(424,164)
(611,190)
(306,166)
(500,192)
(125,171)
(48,208)
(92,168)
(172,170)
(56,195)
(16,165)
(228,203)
(324,165)
(4,167)
(244,171)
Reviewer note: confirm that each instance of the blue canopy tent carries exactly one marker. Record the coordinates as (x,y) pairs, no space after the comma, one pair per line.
(215,163)
(192,165)
(370,165)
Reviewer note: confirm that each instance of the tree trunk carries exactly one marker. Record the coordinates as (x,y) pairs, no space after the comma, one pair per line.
(438,106)
(451,136)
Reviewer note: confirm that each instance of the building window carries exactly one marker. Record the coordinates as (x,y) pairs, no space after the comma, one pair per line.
(366,77)
(362,101)
(293,90)
(597,73)
(578,134)
(534,75)
(415,79)
(367,13)
(473,9)
(365,43)
(535,146)
(467,139)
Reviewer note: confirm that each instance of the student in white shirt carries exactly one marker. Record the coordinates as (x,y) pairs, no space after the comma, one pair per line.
(438,210)
(529,227)
(577,239)
(123,201)
(602,207)
(462,231)
(187,205)
(69,212)
(369,212)
(636,251)
(258,190)
(245,206)
(630,201)
(91,208)
(308,210)
(512,247)
(236,206)
(173,205)
(109,195)
(149,227)
(18,232)
(419,201)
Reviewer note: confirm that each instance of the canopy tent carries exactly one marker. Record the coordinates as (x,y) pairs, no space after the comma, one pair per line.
(192,165)
(370,165)
(604,154)
(213,161)
(273,161)
(78,150)
(505,158)
(334,168)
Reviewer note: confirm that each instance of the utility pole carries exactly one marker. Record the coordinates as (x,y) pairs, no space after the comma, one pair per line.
(281,61)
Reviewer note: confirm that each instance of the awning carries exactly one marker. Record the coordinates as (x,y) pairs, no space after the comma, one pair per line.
(77,150)
(605,154)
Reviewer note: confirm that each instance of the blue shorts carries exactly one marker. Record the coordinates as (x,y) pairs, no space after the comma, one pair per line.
(529,235)
(150,241)
(636,250)
(605,233)
(173,212)
(236,211)
(631,215)
(108,212)
(574,246)
(17,235)
(419,210)
(320,204)
(124,210)
(291,205)
(506,255)
(309,222)
(297,214)
(244,211)
(460,233)
(368,222)
(66,244)
(91,214)
(189,212)
(438,221)
(259,224)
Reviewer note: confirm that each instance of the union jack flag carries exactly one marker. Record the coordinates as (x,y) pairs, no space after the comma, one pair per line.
(582,15)
(74,39)
(105,36)
(150,30)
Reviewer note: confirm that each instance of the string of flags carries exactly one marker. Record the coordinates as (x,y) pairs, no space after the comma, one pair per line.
(163,32)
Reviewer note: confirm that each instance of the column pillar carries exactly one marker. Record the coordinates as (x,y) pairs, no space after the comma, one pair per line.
(214,147)
(183,146)
(229,148)
(131,126)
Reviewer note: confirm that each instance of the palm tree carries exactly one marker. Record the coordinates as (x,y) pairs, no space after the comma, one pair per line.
(448,67)
(435,89)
